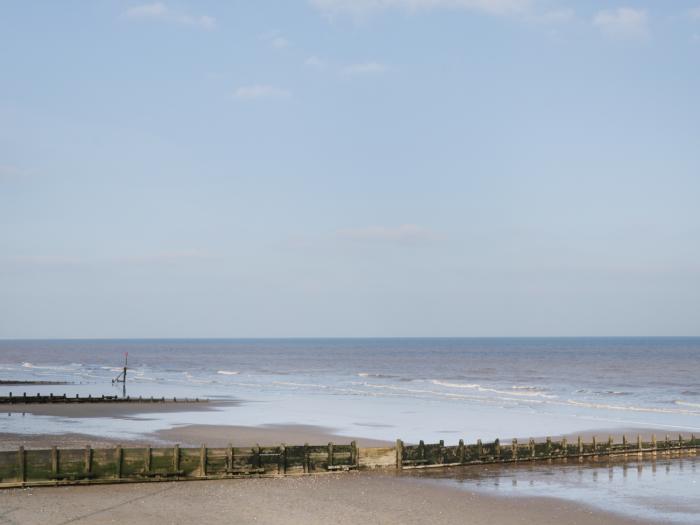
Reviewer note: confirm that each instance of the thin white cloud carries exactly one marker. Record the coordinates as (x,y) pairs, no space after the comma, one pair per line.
(364,68)
(406,233)
(203,21)
(8,172)
(314,61)
(694,13)
(279,42)
(275,39)
(155,10)
(261,91)
(624,23)
(160,11)
(555,16)
(359,8)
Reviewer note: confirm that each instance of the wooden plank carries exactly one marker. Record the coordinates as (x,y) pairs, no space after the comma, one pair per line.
(21,465)
(377,457)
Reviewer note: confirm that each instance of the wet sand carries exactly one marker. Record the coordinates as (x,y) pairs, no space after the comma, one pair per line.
(222,435)
(367,497)
(194,436)
(43,441)
(340,499)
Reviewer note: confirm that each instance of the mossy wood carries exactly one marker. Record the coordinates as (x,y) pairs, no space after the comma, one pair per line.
(54,466)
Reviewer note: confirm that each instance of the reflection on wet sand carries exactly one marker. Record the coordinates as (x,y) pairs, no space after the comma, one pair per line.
(660,489)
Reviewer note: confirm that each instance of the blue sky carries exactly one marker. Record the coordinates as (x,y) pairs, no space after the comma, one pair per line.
(349,168)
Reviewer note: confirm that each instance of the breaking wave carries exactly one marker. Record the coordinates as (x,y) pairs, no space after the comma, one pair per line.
(526,391)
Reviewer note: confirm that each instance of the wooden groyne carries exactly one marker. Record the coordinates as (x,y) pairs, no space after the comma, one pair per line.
(18,382)
(54,466)
(438,455)
(43,399)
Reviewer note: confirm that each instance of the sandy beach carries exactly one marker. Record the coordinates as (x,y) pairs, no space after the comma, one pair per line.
(385,497)
(285,406)
(195,435)
(342,499)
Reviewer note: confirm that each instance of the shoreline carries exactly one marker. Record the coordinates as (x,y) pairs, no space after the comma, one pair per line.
(221,435)
(194,436)
(421,494)
(342,499)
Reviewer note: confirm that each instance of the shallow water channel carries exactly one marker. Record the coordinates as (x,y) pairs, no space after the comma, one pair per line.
(661,490)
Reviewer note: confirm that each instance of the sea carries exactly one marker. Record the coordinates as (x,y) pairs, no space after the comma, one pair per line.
(426,388)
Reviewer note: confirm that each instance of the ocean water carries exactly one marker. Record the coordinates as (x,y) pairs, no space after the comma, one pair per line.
(660,490)
(414,389)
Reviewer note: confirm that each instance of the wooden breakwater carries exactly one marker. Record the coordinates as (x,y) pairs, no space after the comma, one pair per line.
(124,464)
(20,382)
(62,399)
(23,467)
(438,455)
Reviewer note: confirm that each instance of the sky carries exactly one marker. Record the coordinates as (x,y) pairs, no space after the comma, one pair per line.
(349,168)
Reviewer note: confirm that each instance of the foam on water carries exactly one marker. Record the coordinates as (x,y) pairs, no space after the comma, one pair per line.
(625,381)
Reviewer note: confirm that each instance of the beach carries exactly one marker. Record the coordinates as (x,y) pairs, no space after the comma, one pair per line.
(559,491)
(343,499)
(295,392)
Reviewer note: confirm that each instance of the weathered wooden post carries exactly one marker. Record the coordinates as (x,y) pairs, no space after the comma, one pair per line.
(531,447)
(399,454)
(460,451)
(579,442)
(680,441)
(514,449)
(639,444)
(282,465)
(330,454)
(54,462)
(88,461)
(653,444)
(610,444)
(118,459)
(421,449)
(441,452)
(564,447)
(549,446)
(257,456)
(176,460)
(479,448)
(203,461)
(147,459)
(229,458)
(22,465)
(306,458)
(497,449)
(355,457)
(595,447)
(624,444)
